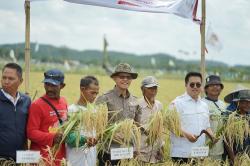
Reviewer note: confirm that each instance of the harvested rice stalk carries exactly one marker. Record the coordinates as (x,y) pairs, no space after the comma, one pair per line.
(218,134)
(92,120)
(130,162)
(101,119)
(242,160)
(50,160)
(122,133)
(236,129)
(5,162)
(209,162)
(172,121)
(155,128)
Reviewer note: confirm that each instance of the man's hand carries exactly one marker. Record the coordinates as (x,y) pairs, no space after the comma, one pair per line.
(91,142)
(57,138)
(191,137)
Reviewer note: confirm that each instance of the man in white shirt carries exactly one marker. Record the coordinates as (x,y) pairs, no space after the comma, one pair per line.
(216,107)
(89,89)
(149,105)
(194,117)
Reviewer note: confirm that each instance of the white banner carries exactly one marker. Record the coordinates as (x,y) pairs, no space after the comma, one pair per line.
(182,8)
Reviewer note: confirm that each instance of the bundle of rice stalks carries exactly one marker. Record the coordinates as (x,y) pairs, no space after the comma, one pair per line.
(242,160)
(124,133)
(101,119)
(155,128)
(236,129)
(210,162)
(51,160)
(92,120)
(130,162)
(172,121)
(5,162)
(218,134)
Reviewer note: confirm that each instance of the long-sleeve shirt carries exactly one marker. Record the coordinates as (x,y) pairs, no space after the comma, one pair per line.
(13,120)
(42,124)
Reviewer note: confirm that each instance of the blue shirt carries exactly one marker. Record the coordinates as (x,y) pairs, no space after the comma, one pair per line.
(13,119)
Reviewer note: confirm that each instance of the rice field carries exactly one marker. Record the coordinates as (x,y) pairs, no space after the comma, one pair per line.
(168,90)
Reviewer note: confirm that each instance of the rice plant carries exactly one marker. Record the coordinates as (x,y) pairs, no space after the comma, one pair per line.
(236,129)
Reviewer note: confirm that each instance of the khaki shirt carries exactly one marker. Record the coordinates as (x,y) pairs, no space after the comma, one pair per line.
(120,107)
(149,153)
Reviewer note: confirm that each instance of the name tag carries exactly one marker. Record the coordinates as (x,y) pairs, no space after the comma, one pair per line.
(27,156)
(200,151)
(122,153)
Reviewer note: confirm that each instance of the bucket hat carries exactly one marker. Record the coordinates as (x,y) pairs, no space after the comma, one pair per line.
(124,68)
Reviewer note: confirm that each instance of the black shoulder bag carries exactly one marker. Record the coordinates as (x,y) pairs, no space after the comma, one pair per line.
(57,114)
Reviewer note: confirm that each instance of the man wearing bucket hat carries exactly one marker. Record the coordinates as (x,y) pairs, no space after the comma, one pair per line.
(213,88)
(121,103)
(149,105)
(241,98)
(46,114)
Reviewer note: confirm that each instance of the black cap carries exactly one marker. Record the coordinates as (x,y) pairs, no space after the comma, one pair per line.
(54,76)
(213,80)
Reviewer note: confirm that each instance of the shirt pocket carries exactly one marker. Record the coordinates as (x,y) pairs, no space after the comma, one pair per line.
(132,110)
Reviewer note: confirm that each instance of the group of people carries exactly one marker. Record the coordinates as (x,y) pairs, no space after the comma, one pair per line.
(38,121)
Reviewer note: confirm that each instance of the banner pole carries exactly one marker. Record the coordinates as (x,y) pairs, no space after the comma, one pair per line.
(27,45)
(203,47)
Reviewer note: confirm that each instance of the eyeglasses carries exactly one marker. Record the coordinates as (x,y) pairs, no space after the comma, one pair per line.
(193,84)
(122,77)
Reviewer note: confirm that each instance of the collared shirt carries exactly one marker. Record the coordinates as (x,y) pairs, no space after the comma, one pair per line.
(194,117)
(121,108)
(216,108)
(146,111)
(12,99)
(148,154)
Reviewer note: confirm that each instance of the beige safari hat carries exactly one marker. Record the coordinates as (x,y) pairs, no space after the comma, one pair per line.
(124,68)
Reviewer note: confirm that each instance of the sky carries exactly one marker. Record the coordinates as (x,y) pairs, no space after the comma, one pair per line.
(82,27)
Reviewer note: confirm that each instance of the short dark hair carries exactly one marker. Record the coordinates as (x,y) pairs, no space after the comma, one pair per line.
(15,66)
(87,80)
(192,74)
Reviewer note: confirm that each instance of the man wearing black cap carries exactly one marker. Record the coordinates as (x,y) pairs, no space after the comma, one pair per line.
(46,114)
(213,88)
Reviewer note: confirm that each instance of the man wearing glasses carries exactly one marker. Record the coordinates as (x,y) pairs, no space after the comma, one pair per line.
(194,117)
(121,104)
(46,114)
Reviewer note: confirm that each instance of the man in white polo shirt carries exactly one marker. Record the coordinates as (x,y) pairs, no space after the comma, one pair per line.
(194,117)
